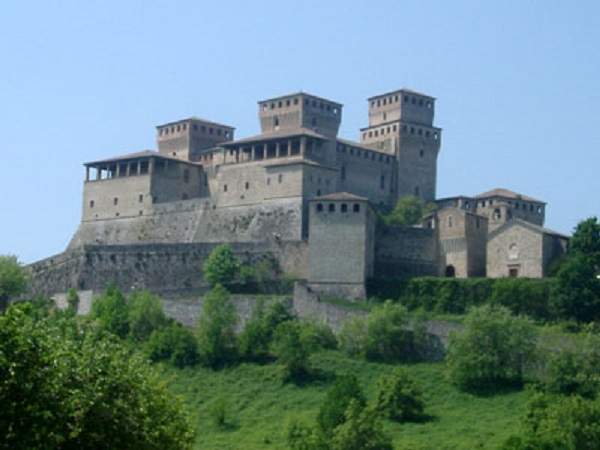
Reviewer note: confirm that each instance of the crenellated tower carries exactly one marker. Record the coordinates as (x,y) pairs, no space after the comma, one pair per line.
(401,124)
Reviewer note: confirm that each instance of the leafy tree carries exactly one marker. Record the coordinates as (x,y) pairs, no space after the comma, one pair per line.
(13,280)
(317,335)
(338,398)
(67,385)
(111,312)
(409,210)
(360,430)
(586,239)
(291,351)
(73,300)
(145,315)
(303,437)
(491,350)
(173,343)
(576,294)
(216,328)
(221,266)
(398,397)
(559,423)
(353,336)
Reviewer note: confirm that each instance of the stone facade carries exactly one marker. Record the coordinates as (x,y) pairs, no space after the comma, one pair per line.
(149,219)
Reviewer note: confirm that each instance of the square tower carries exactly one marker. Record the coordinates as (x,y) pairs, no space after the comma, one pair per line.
(401,124)
(300,110)
(187,139)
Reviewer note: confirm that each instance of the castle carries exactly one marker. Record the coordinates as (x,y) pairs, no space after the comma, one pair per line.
(300,194)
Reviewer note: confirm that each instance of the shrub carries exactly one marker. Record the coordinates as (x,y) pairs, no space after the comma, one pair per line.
(398,397)
(317,335)
(559,423)
(175,344)
(360,430)
(586,239)
(576,294)
(523,296)
(145,315)
(13,280)
(216,328)
(383,335)
(65,385)
(221,266)
(111,312)
(491,350)
(73,300)
(338,398)
(408,211)
(291,351)
(218,412)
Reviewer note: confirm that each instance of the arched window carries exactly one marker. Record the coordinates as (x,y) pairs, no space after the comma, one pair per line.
(319,207)
(275,121)
(332,207)
(344,208)
(450,272)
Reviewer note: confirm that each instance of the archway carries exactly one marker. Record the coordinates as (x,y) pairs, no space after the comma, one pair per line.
(450,272)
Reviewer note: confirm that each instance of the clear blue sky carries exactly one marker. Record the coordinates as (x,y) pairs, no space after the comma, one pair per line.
(517,84)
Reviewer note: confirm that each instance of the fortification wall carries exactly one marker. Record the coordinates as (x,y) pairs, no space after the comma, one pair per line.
(405,251)
(158,267)
(198,220)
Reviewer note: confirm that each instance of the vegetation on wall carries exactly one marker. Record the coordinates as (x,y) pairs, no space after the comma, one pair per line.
(409,210)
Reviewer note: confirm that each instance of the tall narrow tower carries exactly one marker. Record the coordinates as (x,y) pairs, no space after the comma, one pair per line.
(401,124)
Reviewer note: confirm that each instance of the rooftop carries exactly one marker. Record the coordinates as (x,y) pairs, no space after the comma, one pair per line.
(402,90)
(341,196)
(137,155)
(506,193)
(530,226)
(196,119)
(300,93)
(277,135)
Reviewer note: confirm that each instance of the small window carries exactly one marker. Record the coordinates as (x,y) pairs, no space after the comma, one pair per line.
(91,203)
(275,121)
(280,178)
(195,127)
(210,130)
(477,223)
(224,188)
(406,99)
(295,101)
(141,212)
(288,102)
(356,208)
(449,221)
(268,181)
(319,207)
(344,208)
(382,182)
(155,199)
(115,201)
(421,153)
(279,104)
(332,207)
(318,192)
(343,173)
(247,185)
(140,198)
(497,214)
(186,175)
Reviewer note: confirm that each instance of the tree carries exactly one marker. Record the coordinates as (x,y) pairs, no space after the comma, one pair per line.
(111,312)
(221,266)
(408,211)
(586,239)
(360,430)
(65,384)
(338,398)
(291,351)
(398,397)
(576,294)
(13,280)
(145,315)
(491,350)
(175,344)
(216,328)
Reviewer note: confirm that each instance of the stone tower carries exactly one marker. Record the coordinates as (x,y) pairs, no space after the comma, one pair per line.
(401,124)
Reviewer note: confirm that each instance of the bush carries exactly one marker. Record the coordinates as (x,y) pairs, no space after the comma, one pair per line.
(383,335)
(216,328)
(145,315)
(576,294)
(221,266)
(13,280)
(65,385)
(218,412)
(559,423)
(291,351)
(491,350)
(111,312)
(398,397)
(317,335)
(175,344)
(338,398)
(360,430)
(523,296)
(73,300)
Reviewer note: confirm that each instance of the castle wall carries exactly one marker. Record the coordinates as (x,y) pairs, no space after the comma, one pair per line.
(417,162)
(405,251)
(116,197)
(518,248)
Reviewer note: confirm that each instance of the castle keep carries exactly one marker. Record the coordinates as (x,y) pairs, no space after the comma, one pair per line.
(299,193)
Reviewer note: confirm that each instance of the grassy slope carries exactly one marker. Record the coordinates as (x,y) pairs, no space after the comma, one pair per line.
(260,407)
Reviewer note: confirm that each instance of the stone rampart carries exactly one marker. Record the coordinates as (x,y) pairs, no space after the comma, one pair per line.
(405,251)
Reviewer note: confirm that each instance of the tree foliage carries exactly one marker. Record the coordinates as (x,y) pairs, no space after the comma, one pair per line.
(491,350)
(175,344)
(338,398)
(66,385)
(111,312)
(13,279)
(221,266)
(409,210)
(291,350)
(398,397)
(586,239)
(216,328)
(145,314)
(360,430)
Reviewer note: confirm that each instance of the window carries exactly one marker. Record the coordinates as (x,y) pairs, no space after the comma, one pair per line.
(275,121)
(295,101)
(384,116)
(224,188)
(344,208)
(343,173)
(406,99)
(318,192)
(356,208)
(288,102)
(140,198)
(497,214)
(413,100)
(477,223)
(417,191)
(332,207)
(449,221)
(247,185)
(186,175)
(382,182)
(141,212)
(280,178)
(513,272)
(91,203)
(210,131)
(319,207)
(279,104)
(218,132)
(268,181)
(115,201)
(421,153)
(313,121)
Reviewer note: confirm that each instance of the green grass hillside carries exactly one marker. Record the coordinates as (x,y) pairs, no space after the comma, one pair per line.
(259,405)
